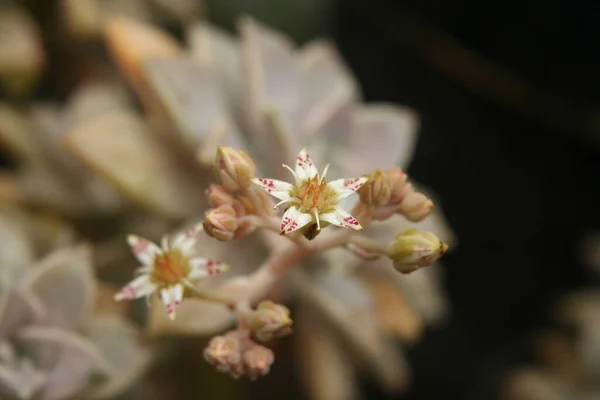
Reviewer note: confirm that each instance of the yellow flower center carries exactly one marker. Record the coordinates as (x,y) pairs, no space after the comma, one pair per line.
(314,194)
(169,268)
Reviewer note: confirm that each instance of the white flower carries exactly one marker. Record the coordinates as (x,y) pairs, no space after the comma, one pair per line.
(312,200)
(168,270)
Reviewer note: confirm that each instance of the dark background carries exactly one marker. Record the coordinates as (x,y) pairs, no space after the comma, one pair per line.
(520,192)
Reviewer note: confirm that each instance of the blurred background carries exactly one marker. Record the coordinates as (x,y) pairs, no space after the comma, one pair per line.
(507,95)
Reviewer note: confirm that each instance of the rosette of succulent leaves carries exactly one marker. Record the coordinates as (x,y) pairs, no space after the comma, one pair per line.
(192,179)
(57,338)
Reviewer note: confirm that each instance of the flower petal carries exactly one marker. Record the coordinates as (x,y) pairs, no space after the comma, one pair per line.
(144,249)
(201,268)
(186,240)
(171,298)
(305,169)
(341,217)
(279,189)
(139,287)
(345,187)
(293,220)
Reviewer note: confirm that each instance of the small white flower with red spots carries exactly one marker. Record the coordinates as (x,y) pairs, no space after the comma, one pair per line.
(313,201)
(169,270)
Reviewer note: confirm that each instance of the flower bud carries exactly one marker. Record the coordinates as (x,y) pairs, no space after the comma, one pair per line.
(221,223)
(377,190)
(235,168)
(415,206)
(412,250)
(270,320)
(218,196)
(258,360)
(399,185)
(223,352)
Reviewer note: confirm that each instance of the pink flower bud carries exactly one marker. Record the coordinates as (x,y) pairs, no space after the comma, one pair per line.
(412,250)
(223,352)
(399,185)
(415,206)
(218,196)
(258,360)
(221,223)
(377,190)
(270,320)
(235,168)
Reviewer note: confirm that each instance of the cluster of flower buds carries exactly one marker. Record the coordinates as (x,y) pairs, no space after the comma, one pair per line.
(412,250)
(235,353)
(389,192)
(270,320)
(235,198)
(225,220)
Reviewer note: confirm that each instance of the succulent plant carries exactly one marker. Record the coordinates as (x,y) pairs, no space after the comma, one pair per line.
(263,96)
(241,107)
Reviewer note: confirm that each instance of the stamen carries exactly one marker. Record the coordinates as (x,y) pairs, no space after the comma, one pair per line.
(316,214)
(324,173)
(282,202)
(290,169)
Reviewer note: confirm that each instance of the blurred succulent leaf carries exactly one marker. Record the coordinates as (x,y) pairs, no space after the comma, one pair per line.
(280,144)
(383,136)
(271,73)
(326,86)
(330,143)
(82,17)
(532,384)
(17,308)
(343,300)
(131,42)
(394,312)
(65,284)
(95,98)
(69,359)
(190,94)
(22,380)
(119,342)
(22,56)
(133,9)
(41,185)
(15,135)
(44,231)
(16,250)
(223,133)
(194,318)
(214,48)
(10,192)
(326,369)
(181,10)
(120,147)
